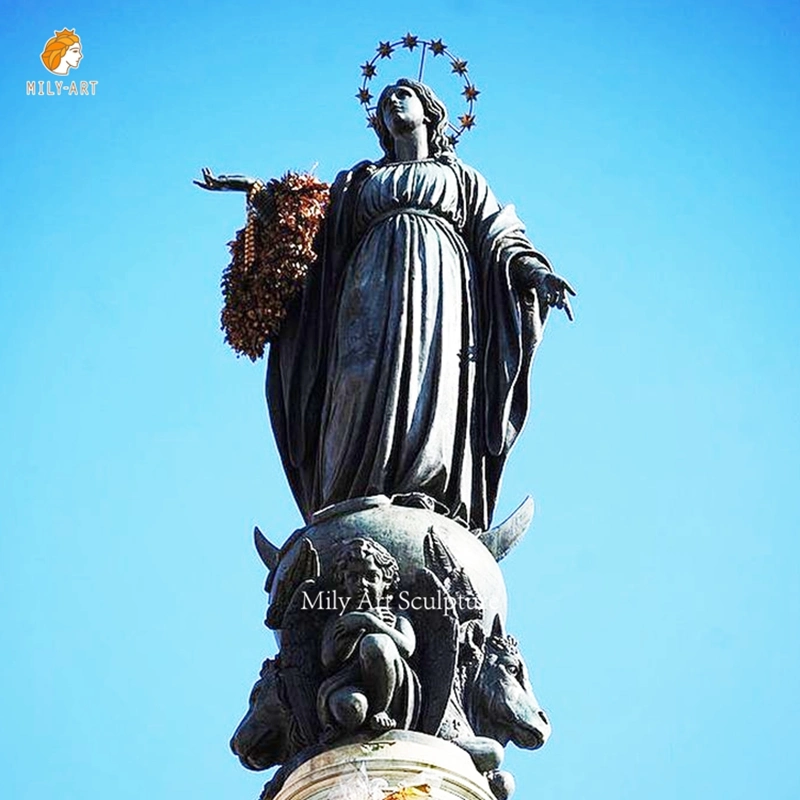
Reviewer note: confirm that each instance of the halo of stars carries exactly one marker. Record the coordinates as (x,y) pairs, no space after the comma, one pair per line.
(437,48)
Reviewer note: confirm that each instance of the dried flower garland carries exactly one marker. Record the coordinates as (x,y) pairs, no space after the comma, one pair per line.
(270,258)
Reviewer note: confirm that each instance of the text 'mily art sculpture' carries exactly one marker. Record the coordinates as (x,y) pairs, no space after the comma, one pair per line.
(402,307)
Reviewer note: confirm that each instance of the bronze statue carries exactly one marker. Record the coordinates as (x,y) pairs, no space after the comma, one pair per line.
(366,648)
(404,370)
(397,385)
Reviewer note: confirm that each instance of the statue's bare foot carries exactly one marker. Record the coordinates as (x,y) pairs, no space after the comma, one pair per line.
(381,722)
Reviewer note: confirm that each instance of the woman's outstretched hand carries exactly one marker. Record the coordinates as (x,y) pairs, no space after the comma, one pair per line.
(552,290)
(225,183)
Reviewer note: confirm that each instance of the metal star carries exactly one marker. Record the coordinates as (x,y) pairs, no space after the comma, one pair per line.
(467,121)
(438,46)
(470,92)
(410,41)
(385,49)
(368,70)
(460,67)
(364,96)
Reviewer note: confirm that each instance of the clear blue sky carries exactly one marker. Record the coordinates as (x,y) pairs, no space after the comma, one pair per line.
(652,149)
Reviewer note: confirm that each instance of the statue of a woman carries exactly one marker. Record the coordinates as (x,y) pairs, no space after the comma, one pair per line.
(404,369)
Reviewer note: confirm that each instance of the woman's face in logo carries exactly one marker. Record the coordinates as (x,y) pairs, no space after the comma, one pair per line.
(62,52)
(73,56)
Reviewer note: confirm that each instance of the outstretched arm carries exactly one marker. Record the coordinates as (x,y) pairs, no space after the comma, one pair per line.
(493,229)
(529,274)
(226,183)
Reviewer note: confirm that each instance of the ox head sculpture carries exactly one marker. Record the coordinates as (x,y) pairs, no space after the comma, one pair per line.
(262,738)
(502,704)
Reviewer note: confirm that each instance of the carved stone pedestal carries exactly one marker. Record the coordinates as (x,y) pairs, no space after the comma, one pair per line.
(424,766)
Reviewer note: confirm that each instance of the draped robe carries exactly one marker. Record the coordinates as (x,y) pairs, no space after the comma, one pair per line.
(404,367)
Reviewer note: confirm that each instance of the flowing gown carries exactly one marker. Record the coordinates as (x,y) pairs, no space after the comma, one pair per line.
(405,368)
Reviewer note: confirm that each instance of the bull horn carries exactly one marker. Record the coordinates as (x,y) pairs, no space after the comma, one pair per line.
(267,551)
(497,628)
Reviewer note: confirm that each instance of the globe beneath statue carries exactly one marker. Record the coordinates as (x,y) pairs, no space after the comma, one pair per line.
(402,531)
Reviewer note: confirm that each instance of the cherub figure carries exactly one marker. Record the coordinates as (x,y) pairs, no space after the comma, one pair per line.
(366,647)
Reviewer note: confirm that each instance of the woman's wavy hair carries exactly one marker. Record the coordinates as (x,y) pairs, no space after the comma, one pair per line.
(439,144)
(57,46)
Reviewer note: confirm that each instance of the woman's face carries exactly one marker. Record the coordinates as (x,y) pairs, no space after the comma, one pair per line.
(73,55)
(402,110)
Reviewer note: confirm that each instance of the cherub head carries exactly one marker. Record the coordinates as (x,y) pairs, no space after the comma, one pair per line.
(365,570)
(434,116)
(62,52)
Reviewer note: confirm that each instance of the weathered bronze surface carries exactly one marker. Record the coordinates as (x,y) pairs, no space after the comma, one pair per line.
(396,389)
